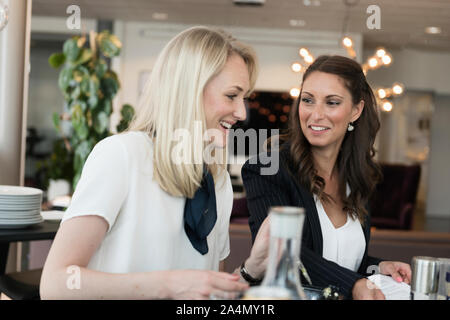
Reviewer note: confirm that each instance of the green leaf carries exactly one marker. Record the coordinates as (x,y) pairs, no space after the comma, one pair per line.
(110,84)
(65,76)
(94,86)
(101,122)
(56,120)
(110,45)
(56,60)
(81,129)
(77,113)
(75,94)
(85,56)
(81,154)
(100,68)
(79,122)
(79,104)
(71,49)
(79,73)
(127,112)
(84,85)
(107,106)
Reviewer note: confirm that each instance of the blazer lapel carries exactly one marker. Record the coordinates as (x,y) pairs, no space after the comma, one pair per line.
(306,200)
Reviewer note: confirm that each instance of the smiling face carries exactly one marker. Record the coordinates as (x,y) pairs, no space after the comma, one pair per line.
(325,110)
(224,99)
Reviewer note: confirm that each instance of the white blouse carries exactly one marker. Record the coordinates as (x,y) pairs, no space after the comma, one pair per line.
(146,224)
(344,245)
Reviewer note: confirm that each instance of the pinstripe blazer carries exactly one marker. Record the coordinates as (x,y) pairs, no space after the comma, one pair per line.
(281,189)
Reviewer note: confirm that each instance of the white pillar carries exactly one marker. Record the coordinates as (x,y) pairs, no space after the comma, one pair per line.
(14,73)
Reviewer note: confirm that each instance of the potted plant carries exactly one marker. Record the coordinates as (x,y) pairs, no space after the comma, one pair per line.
(89,86)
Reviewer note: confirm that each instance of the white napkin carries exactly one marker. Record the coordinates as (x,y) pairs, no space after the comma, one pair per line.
(391,289)
(53,215)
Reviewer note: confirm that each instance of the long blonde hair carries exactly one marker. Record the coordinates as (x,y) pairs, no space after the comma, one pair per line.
(173,99)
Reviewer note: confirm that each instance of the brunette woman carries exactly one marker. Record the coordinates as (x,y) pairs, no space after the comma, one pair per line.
(327,167)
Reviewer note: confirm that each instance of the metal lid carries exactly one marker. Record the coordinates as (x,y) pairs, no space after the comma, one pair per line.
(425,274)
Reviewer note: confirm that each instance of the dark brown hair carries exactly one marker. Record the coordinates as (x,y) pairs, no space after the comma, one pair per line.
(355,162)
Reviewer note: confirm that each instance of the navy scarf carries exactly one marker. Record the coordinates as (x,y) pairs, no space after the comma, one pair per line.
(200,214)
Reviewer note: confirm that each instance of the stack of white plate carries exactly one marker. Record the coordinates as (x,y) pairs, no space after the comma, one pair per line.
(20,207)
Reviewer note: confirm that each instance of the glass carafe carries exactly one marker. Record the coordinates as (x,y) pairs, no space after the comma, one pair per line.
(282,279)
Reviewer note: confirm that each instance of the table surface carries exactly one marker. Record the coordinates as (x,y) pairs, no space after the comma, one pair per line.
(43,231)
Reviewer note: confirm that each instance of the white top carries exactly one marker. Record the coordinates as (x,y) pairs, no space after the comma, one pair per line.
(146,225)
(344,245)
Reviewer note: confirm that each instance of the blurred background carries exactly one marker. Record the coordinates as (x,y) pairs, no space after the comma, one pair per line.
(403,45)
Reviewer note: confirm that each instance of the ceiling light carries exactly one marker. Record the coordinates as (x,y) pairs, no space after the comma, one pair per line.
(381,52)
(386,59)
(373,62)
(433,30)
(160,16)
(296,67)
(347,42)
(309,59)
(295,92)
(387,106)
(381,93)
(397,89)
(303,52)
(297,23)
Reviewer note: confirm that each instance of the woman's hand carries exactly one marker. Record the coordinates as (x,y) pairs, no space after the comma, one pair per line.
(399,271)
(256,264)
(364,289)
(200,285)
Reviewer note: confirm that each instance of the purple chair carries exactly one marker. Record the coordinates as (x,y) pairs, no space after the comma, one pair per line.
(239,213)
(392,204)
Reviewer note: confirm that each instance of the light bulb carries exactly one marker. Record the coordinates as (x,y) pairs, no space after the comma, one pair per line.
(347,42)
(304,52)
(397,89)
(296,67)
(295,92)
(381,93)
(386,59)
(309,59)
(433,30)
(387,106)
(373,63)
(381,53)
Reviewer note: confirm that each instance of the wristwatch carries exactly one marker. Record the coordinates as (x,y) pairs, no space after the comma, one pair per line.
(247,277)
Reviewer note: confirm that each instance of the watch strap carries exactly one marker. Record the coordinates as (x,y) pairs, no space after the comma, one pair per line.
(247,277)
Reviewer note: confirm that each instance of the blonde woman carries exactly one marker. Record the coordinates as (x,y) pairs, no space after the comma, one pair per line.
(150,215)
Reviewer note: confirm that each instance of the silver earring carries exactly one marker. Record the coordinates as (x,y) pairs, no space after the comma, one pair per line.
(350,127)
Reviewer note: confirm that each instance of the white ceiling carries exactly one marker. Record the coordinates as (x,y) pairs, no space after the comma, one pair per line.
(403,22)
